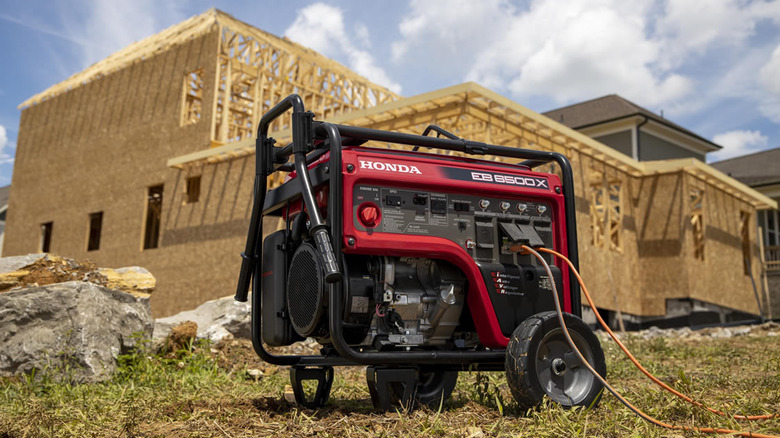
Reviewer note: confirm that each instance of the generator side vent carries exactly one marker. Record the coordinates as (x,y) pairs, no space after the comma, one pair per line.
(306,292)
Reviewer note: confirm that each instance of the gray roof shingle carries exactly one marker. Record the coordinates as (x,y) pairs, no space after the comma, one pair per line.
(4,191)
(609,108)
(757,169)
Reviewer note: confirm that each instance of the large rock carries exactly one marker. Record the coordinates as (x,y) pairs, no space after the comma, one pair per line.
(11,264)
(135,280)
(216,320)
(41,269)
(74,325)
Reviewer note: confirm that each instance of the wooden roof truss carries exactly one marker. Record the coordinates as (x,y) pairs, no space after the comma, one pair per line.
(474,112)
(255,72)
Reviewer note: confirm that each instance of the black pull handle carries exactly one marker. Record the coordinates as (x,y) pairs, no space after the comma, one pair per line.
(264,157)
(329,265)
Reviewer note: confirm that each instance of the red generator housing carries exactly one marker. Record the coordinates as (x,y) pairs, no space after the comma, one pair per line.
(412,204)
(408,262)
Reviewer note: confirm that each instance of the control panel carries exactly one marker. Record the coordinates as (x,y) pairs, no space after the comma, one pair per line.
(486,227)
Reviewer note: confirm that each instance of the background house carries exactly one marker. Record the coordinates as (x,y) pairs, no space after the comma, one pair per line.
(148,157)
(632,130)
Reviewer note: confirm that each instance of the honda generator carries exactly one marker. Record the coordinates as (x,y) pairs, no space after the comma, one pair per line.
(406,262)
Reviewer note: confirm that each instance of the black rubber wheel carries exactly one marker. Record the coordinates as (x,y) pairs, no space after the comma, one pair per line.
(540,362)
(432,385)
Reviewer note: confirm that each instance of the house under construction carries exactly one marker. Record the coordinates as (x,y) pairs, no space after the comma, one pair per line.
(146,158)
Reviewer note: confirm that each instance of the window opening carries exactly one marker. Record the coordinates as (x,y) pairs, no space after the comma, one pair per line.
(598,212)
(696,197)
(46,232)
(235,107)
(744,231)
(192,108)
(193,189)
(153,217)
(771,230)
(95,228)
(615,216)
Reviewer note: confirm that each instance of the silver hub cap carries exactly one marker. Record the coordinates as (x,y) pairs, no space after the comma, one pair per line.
(559,370)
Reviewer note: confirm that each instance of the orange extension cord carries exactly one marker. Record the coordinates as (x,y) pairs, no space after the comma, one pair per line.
(633,408)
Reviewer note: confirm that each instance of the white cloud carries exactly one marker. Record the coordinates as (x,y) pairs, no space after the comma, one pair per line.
(117,24)
(43,28)
(363,35)
(768,93)
(670,54)
(553,48)
(451,32)
(6,156)
(769,74)
(737,143)
(698,23)
(578,50)
(321,28)
(693,26)
(107,27)
(769,78)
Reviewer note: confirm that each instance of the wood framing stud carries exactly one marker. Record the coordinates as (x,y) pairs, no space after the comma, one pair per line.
(696,204)
(598,211)
(192,98)
(615,216)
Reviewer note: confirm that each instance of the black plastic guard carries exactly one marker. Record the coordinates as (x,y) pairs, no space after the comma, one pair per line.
(519,291)
(277,330)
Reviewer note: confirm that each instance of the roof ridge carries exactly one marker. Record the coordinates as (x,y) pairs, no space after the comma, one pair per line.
(764,151)
(580,103)
(633,105)
(178,33)
(163,38)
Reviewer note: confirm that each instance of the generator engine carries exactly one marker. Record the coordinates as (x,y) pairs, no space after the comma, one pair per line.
(419,302)
(391,301)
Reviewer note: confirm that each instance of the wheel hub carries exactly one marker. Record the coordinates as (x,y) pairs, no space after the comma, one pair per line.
(558,366)
(559,369)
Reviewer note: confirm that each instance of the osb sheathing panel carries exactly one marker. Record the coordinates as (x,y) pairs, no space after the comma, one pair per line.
(661,227)
(609,274)
(207,235)
(99,147)
(720,278)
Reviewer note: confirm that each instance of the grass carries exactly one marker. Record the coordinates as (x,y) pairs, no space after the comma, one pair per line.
(207,392)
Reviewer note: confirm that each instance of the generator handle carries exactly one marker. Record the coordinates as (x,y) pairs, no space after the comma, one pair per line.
(264,161)
(532,163)
(317,226)
(572,246)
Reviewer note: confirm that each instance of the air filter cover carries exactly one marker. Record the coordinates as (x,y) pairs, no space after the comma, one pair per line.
(307,297)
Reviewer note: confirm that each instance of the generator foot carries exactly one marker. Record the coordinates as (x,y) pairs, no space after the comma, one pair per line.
(324,378)
(387,385)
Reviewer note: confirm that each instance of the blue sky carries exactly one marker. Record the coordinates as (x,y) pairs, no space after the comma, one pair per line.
(712,66)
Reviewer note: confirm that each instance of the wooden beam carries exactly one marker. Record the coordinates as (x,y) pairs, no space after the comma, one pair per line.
(145,48)
(712,176)
(419,118)
(195,27)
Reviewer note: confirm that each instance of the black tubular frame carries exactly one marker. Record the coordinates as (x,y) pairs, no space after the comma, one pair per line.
(328,236)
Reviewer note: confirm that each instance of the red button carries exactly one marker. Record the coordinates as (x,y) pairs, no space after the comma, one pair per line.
(369,215)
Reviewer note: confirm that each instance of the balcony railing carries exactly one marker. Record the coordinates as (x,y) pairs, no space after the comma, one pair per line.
(772,255)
